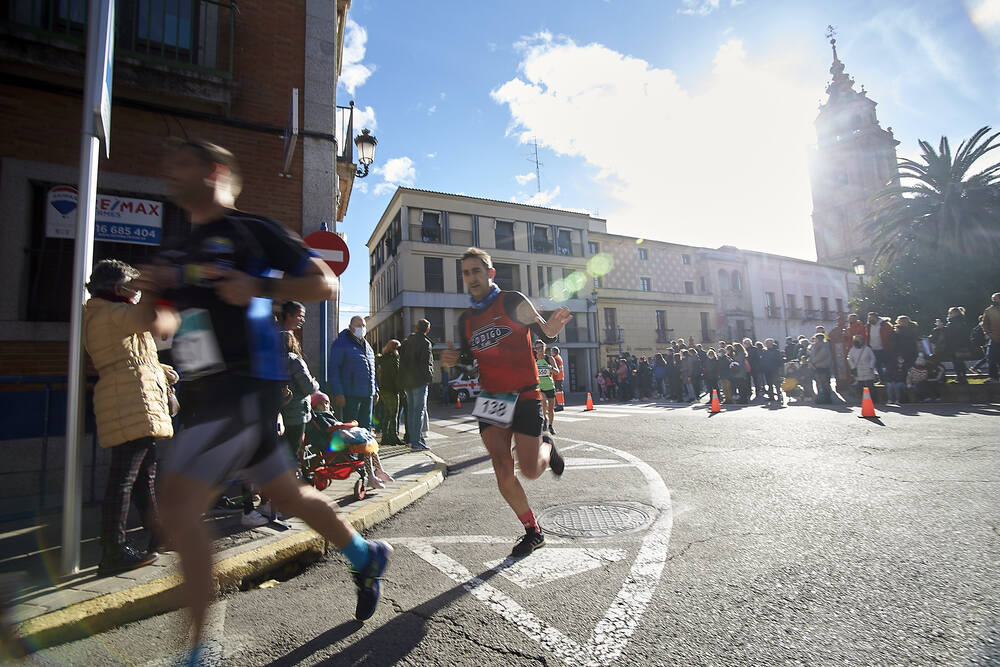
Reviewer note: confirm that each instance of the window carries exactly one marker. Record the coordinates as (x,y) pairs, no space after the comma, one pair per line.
(610,324)
(685,259)
(459,283)
(644,284)
(771,305)
(643,253)
(593,247)
(737,282)
(688,287)
(723,280)
(433,274)
(436,317)
(790,300)
(706,333)
(504,235)
(564,242)
(508,276)
(568,284)
(541,239)
(541,281)
(703,284)
(661,326)
(824,305)
(840,305)
(597,282)
(430,227)
(807,302)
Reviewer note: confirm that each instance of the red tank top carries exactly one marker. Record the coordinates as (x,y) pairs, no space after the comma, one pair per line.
(502,348)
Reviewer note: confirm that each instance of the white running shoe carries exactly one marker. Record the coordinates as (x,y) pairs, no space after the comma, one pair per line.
(384,476)
(375,483)
(254,519)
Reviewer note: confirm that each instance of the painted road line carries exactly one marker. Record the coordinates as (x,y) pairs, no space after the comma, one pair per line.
(609,637)
(431,435)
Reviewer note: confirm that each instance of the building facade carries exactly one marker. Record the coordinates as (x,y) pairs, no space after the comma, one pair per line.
(648,294)
(854,159)
(204,69)
(415,267)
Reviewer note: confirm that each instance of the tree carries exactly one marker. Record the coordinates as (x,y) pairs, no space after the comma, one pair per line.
(939,207)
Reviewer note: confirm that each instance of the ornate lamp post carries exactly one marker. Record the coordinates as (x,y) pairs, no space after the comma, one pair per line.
(859,269)
(366,143)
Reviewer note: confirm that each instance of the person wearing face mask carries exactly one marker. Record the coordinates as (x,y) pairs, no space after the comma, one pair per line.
(991,327)
(352,374)
(416,372)
(131,403)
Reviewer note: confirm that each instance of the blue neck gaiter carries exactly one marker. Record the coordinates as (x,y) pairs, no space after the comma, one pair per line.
(479,305)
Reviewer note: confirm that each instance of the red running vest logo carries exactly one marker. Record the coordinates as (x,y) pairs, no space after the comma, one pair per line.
(488,336)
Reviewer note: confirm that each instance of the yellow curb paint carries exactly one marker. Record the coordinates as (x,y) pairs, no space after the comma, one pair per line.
(101,613)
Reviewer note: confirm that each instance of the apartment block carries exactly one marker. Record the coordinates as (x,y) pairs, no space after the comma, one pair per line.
(415,267)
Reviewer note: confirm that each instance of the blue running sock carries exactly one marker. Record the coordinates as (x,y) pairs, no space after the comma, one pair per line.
(358,552)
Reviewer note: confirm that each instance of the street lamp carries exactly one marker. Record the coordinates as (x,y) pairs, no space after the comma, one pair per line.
(366,143)
(859,269)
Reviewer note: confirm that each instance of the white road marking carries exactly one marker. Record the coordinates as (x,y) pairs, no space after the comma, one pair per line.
(552,564)
(612,632)
(431,435)
(577,463)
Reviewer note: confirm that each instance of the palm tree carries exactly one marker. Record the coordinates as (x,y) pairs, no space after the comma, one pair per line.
(938,207)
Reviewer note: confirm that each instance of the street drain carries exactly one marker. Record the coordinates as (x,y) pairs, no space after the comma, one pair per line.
(595,519)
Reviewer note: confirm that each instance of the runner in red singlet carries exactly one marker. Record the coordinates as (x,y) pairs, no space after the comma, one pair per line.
(496,333)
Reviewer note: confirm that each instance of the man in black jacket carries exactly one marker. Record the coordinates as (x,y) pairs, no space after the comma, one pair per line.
(416,372)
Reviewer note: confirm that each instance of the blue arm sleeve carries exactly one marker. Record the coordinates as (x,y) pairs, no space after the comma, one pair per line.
(336,362)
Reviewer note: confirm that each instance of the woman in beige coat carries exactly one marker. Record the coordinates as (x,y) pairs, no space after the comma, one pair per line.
(131,402)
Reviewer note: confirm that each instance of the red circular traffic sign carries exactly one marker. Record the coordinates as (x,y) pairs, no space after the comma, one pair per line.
(331,249)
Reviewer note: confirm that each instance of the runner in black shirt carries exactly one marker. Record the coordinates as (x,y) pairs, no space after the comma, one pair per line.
(213,291)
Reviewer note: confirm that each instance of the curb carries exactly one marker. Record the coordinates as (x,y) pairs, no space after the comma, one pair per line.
(104,612)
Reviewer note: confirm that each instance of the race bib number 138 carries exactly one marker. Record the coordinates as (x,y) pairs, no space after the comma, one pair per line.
(196,351)
(495,409)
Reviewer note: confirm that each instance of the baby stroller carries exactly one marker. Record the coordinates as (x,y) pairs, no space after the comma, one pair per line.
(333,450)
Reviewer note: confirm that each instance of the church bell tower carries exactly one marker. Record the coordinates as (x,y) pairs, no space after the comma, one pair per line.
(854,159)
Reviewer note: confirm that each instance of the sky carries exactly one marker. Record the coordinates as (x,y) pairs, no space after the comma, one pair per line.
(688,121)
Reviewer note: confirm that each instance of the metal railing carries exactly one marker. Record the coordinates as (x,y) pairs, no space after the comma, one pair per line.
(198,34)
(793,312)
(811,314)
(424,234)
(661,335)
(773,312)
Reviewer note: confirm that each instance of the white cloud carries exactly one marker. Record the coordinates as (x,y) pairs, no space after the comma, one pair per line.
(353,72)
(543,198)
(722,162)
(395,172)
(431,156)
(443,96)
(432,109)
(698,7)
(524,179)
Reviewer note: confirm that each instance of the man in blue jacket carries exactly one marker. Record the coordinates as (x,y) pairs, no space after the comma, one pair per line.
(352,374)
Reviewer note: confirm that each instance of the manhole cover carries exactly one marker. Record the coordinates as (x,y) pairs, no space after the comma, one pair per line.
(594,519)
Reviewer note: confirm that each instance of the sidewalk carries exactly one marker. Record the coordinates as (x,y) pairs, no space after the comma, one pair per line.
(49,609)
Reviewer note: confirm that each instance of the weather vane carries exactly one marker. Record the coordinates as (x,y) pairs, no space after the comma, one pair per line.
(831,34)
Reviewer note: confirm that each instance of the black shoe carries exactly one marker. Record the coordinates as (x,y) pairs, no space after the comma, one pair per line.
(369,580)
(123,558)
(556,462)
(528,543)
(552,430)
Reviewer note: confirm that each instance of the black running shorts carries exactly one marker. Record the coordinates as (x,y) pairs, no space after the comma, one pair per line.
(527,418)
(549,393)
(228,427)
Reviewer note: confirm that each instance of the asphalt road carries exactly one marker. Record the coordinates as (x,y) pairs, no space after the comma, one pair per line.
(800,535)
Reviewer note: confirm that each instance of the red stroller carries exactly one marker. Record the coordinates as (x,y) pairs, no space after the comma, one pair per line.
(326,455)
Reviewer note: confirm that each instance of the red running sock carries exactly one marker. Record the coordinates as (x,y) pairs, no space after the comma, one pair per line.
(528,521)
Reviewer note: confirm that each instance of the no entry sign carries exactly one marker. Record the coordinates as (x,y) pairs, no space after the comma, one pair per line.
(331,249)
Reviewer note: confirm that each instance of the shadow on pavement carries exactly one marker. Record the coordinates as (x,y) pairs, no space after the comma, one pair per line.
(468,463)
(391,643)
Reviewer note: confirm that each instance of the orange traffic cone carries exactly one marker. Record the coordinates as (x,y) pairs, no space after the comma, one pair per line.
(458,402)
(590,403)
(867,406)
(560,400)
(715,401)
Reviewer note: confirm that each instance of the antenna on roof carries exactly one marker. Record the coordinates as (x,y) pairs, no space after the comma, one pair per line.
(533,157)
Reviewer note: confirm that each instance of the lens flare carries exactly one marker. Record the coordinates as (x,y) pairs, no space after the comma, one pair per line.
(600,264)
(559,292)
(575,281)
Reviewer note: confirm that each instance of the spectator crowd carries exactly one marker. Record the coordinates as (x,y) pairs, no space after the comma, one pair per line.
(846,359)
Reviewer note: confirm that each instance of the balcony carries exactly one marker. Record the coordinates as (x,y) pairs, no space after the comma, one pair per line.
(810,315)
(163,50)
(793,313)
(569,250)
(773,312)
(828,316)
(611,337)
(662,335)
